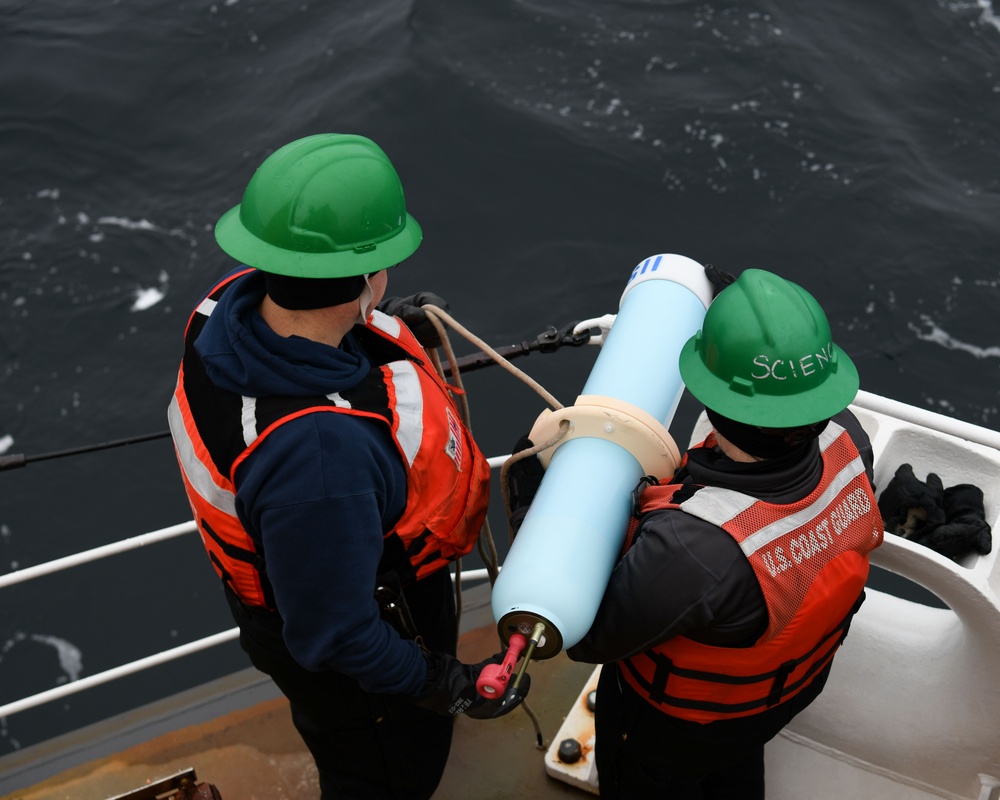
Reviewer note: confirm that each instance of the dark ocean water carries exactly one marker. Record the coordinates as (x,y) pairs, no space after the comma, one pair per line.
(546,148)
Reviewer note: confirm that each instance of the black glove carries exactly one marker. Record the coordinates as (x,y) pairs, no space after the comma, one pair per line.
(409,310)
(910,507)
(450,688)
(965,529)
(719,279)
(523,479)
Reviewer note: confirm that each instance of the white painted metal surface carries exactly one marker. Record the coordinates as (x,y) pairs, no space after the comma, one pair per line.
(912,697)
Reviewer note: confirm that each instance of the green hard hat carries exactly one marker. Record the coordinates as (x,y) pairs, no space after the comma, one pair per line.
(765,356)
(326,206)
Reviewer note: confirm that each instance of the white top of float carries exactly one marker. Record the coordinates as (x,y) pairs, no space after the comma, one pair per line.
(671,267)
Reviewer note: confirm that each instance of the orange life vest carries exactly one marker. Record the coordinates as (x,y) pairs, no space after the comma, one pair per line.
(215,430)
(811,560)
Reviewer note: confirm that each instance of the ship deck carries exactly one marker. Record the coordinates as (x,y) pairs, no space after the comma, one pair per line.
(237,734)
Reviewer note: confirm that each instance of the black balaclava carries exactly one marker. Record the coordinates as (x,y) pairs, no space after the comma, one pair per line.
(301,294)
(764,442)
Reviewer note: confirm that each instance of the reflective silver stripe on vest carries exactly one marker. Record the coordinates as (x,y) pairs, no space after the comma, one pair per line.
(206,307)
(409,407)
(719,506)
(776,530)
(385,323)
(338,401)
(248,420)
(829,435)
(716,505)
(197,473)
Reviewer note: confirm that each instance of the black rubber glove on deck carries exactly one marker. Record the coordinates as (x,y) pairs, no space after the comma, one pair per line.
(409,310)
(523,479)
(450,688)
(911,508)
(965,529)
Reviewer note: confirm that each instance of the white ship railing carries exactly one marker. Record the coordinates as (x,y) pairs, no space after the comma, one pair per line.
(864,400)
(124,546)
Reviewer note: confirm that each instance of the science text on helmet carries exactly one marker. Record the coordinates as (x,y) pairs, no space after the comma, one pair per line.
(781,369)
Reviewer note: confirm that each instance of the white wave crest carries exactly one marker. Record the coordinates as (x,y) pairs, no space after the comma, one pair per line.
(938,335)
(988,16)
(69,655)
(147,298)
(140,225)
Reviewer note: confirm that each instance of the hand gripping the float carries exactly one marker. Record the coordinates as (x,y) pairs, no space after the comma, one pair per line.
(494,678)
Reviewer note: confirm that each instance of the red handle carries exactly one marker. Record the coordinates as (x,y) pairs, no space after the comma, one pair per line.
(493,679)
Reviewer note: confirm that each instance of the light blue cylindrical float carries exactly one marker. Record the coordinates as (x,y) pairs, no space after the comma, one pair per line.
(561,559)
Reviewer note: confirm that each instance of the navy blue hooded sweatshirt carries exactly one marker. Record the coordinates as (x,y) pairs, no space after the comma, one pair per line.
(319,493)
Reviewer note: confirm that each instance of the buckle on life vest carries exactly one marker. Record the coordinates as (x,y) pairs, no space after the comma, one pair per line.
(661,674)
(778,684)
(644,483)
(392,603)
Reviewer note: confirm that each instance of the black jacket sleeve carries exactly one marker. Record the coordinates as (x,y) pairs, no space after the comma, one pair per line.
(681,576)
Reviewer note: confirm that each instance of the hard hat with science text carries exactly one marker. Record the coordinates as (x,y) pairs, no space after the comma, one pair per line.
(765,356)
